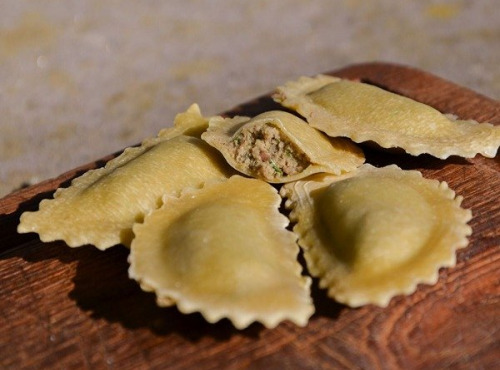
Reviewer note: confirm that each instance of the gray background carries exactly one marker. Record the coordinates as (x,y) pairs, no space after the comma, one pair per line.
(82,79)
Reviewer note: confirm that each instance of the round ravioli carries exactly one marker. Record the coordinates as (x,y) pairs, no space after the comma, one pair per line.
(366,113)
(100,207)
(376,233)
(279,147)
(223,251)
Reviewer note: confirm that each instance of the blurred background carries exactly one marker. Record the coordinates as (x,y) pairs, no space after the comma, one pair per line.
(82,79)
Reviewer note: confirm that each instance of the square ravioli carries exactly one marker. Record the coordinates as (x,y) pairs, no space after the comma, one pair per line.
(223,251)
(366,113)
(374,233)
(100,207)
(279,147)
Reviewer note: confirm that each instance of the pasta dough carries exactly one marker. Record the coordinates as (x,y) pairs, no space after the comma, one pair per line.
(364,112)
(223,251)
(101,206)
(375,233)
(279,147)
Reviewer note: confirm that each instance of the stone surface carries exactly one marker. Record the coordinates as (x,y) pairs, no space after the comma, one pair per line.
(79,80)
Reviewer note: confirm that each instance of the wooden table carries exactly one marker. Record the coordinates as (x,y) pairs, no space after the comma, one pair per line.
(76,308)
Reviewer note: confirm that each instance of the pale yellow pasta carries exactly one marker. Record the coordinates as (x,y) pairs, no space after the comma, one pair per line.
(189,123)
(375,233)
(224,251)
(100,207)
(279,147)
(366,113)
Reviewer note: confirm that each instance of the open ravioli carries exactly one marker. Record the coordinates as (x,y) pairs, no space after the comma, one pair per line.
(224,251)
(375,233)
(279,147)
(101,206)
(364,112)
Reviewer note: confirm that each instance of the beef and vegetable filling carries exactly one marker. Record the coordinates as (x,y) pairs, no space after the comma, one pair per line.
(264,151)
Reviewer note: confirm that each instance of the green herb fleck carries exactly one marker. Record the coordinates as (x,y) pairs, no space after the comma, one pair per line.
(275,167)
(237,139)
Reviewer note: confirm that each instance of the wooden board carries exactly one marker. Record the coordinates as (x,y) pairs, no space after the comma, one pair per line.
(76,308)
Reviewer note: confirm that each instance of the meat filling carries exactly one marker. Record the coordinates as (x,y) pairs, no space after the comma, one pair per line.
(267,153)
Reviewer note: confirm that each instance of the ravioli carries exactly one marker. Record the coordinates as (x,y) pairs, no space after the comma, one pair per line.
(100,207)
(189,123)
(366,113)
(279,147)
(375,233)
(224,251)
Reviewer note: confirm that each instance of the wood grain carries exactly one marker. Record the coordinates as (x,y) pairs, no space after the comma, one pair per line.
(76,308)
